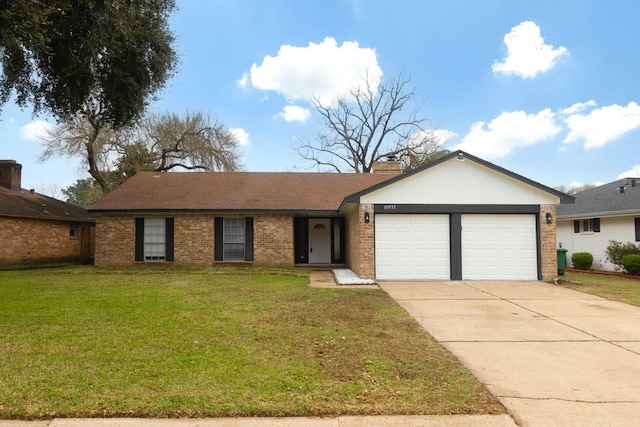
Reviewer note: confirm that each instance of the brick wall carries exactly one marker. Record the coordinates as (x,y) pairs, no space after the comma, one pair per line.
(194,239)
(26,241)
(352,242)
(548,242)
(360,241)
(115,240)
(273,240)
(193,236)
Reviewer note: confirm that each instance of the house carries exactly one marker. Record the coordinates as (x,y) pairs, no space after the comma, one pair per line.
(608,212)
(35,228)
(459,217)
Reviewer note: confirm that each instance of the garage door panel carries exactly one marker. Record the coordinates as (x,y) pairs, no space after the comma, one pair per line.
(499,247)
(412,247)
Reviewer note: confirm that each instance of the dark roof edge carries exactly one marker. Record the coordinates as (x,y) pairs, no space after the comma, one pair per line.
(605,214)
(49,217)
(323,212)
(564,198)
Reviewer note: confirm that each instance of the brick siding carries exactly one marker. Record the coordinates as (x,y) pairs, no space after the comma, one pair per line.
(30,241)
(360,241)
(548,247)
(194,239)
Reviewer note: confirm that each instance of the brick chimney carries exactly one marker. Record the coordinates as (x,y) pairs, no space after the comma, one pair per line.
(390,167)
(11,175)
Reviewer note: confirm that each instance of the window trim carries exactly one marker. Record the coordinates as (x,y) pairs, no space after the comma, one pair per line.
(218,237)
(73,230)
(140,238)
(586,226)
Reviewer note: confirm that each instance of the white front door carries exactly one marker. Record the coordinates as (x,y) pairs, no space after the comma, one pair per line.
(319,241)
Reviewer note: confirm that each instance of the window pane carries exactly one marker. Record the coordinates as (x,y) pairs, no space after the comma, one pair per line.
(233,239)
(154,239)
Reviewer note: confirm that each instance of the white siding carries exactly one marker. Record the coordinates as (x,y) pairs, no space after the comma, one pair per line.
(459,182)
(615,228)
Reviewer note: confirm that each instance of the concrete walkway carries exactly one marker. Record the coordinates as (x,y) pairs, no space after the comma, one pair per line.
(344,421)
(553,356)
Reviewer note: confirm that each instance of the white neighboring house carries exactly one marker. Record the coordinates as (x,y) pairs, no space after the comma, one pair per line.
(608,212)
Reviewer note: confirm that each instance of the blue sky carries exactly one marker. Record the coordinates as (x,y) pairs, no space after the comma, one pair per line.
(547,89)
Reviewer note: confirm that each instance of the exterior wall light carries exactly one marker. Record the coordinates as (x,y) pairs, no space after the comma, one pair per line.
(547,216)
(366,218)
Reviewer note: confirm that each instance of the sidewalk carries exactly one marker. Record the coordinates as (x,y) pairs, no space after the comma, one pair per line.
(344,421)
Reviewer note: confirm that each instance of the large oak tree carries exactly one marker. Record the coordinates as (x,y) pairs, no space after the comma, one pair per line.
(60,55)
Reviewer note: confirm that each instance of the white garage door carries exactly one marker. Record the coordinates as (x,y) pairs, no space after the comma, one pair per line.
(499,247)
(412,247)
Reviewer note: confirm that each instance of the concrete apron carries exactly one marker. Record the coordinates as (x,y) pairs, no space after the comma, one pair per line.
(553,356)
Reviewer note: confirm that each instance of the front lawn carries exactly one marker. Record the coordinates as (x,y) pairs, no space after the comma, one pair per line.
(165,342)
(615,288)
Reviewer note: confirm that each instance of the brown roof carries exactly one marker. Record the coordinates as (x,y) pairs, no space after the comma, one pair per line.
(29,204)
(236,191)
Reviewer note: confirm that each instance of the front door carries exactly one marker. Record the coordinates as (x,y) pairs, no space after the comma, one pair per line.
(320,241)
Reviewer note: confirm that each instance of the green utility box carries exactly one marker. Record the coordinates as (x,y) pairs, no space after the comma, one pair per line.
(562,261)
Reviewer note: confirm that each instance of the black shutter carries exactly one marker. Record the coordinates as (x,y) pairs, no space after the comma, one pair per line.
(139,239)
(576,226)
(301,240)
(637,229)
(168,239)
(218,233)
(248,239)
(596,225)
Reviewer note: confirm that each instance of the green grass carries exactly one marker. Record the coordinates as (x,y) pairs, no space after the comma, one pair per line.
(165,342)
(615,288)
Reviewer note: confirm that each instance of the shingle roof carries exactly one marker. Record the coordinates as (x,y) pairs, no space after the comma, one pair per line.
(235,191)
(605,200)
(28,204)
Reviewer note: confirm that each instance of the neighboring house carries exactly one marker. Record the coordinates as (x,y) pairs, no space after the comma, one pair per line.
(608,212)
(35,228)
(459,217)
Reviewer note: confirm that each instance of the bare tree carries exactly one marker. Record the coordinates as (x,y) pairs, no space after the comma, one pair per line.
(371,124)
(86,136)
(158,143)
(191,141)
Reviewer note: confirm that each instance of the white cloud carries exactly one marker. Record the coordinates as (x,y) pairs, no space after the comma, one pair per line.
(241,135)
(579,106)
(602,125)
(443,135)
(633,172)
(242,81)
(322,70)
(36,130)
(294,113)
(527,54)
(508,131)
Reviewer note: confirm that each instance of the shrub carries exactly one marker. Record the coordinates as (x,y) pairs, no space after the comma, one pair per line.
(582,260)
(631,264)
(616,250)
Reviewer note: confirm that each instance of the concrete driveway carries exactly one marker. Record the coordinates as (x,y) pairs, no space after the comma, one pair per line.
(553,356)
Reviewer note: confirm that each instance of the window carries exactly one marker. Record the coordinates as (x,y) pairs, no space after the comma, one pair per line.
(587,226)
(637,224)
(73,230)
(154,239)
(233,239)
